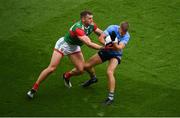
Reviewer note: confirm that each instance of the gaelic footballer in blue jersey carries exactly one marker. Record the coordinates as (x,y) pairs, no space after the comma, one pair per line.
(115,38)
(119,38)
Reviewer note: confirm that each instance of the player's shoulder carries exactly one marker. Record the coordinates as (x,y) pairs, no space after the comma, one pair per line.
(78,24)
(117,26)
(127,34)
(113,27)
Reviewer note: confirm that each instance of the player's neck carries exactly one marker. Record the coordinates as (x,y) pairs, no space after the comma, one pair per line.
(85,25)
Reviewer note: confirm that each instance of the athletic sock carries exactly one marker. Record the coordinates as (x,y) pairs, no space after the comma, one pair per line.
(93,77)
(67,75)
(111,95)
(35,86)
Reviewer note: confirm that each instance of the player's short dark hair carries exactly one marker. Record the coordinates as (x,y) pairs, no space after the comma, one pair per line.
(125,26)
(85,13)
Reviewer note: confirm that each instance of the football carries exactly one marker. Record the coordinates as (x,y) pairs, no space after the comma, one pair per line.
(108,40)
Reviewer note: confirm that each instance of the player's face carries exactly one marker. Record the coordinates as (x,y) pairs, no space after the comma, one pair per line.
(122,32)
(88,19)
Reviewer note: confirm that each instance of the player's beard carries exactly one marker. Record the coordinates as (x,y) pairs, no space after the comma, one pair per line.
(87,24)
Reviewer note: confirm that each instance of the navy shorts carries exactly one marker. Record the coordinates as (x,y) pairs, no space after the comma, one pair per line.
(106,55)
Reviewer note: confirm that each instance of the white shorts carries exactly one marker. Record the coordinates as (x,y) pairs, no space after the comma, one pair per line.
(65,48)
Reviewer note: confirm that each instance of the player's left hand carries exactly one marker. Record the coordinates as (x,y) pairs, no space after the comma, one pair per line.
(107,47)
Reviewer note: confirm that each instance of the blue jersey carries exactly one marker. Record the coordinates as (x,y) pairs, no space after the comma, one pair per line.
(123,39)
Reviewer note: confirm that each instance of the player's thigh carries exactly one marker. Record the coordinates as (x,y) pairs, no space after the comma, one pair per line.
(92,61)
(77,59)
(113,63)
(55,59)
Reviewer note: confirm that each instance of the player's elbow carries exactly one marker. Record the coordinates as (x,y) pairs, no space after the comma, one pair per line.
(101,40)
(119,48)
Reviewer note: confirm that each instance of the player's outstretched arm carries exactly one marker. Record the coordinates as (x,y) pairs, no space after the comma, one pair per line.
(98,31)
(86,40)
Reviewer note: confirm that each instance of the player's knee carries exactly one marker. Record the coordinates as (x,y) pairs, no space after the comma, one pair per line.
(81,70)
(87,66)
(110,72)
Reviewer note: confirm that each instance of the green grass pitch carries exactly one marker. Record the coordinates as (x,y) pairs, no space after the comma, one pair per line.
(147,81)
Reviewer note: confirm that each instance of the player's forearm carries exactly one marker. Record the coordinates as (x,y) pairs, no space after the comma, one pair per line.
(94,45)
(86,40)
(101,40)
(118,47)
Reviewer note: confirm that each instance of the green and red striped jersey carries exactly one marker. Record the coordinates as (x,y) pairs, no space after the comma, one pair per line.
(78,29)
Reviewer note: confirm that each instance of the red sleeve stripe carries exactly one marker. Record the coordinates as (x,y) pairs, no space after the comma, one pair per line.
(95,26)
(72,34)
(79,32)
